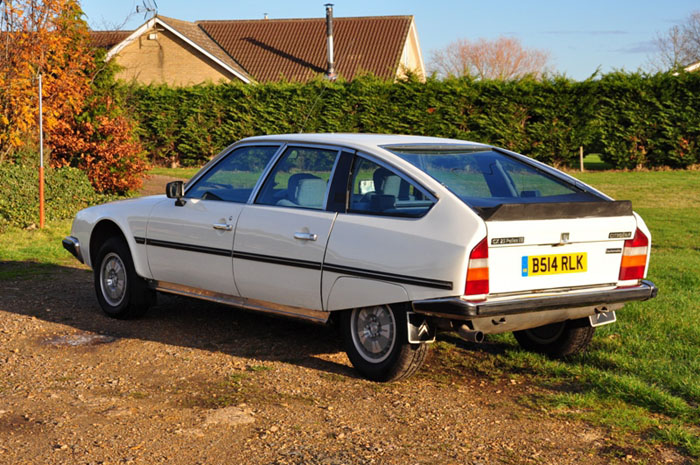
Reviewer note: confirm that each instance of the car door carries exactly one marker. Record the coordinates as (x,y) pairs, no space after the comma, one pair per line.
(385,245)
(190,243)
(281,237)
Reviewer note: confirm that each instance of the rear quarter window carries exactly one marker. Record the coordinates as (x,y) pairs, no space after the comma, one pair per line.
(377,190)
(486,178)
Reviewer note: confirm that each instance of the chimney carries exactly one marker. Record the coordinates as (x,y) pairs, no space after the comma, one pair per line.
(330,72)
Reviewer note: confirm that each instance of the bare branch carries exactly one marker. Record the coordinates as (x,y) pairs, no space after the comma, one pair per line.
(679,46)
(504,59)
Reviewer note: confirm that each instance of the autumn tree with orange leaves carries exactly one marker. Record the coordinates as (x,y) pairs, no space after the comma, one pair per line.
(83,127)
(502,59)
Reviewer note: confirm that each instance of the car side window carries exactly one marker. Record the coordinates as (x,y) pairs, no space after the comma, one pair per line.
(234,177)
(377,190)
(300,179)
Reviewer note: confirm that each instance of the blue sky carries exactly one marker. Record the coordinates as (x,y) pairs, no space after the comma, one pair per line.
(581,36)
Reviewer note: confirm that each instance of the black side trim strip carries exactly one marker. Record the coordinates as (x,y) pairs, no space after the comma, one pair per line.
(425,282)
(277,260)
(188,247)
(397,278)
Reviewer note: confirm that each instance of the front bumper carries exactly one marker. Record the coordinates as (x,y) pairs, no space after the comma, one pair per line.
(456,308)
(72,245)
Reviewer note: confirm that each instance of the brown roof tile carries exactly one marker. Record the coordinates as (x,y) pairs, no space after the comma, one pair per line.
(107,39)
(202,40)
(296,48)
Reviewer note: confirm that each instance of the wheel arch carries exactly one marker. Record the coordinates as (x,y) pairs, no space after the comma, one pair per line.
(107,228)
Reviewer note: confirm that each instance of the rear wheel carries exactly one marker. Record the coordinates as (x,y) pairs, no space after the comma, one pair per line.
(376,342)
(557,339)
(120,291)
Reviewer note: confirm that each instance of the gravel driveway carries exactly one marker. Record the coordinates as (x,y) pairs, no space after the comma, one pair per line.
(194,382)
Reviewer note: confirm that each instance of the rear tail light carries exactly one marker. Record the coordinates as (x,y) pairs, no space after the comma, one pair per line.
(634,257)
(478,270)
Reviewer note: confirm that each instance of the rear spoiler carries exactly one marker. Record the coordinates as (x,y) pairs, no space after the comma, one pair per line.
(556,210)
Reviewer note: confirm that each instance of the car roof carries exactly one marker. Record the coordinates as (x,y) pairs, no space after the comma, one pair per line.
(362,141)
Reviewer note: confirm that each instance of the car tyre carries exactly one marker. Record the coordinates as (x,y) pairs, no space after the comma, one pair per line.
(120,291)
(557,339)
(376,342)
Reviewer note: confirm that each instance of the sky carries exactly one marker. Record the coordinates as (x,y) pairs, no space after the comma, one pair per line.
(581,36)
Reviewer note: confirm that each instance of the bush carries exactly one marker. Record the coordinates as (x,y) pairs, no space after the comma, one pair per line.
(104,146)
(630,119)
(648,121)
(189,125)
(66,191)
(100,138)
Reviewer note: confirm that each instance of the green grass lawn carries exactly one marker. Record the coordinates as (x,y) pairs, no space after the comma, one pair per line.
(183,173)
(592,162)
(641,376)
(26,253)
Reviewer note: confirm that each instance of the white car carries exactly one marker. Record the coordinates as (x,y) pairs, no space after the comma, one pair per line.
(392,237)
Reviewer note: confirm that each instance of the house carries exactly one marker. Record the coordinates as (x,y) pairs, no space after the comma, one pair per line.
(179,53)
(170,51)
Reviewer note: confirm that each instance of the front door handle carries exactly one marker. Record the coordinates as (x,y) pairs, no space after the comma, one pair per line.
(303,236)
(222,226)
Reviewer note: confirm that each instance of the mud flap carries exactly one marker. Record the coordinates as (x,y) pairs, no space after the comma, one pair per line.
(604,318)
(419,330)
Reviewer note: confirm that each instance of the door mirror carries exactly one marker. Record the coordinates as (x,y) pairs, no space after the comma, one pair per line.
(175,190)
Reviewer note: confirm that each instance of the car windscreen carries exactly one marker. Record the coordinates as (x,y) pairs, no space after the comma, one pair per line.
(485,178)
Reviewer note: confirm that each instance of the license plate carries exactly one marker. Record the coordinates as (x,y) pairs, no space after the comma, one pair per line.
(538,265)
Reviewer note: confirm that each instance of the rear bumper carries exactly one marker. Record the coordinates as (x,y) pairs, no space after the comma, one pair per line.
(72,245)
(456,308)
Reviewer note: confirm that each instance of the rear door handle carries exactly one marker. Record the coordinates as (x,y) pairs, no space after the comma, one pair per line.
(302,236)
(222,226)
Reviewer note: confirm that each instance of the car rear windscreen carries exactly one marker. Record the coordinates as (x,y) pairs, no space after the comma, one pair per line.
(485,178)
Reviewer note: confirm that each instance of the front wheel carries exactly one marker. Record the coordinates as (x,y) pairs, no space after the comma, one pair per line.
(557,339)
(120,291)
(377,344)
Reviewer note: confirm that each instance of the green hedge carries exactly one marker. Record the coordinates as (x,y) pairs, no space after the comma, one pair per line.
(648,120)
(630,119)
(66,191)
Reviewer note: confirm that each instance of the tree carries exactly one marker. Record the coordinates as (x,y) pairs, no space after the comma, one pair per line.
(679,46)
(503,59)
(83,127)
(40,36)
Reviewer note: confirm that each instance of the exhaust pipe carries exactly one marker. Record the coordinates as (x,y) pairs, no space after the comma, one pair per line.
(470,335)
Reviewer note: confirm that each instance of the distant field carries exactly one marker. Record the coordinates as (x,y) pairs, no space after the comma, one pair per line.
(642,374)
